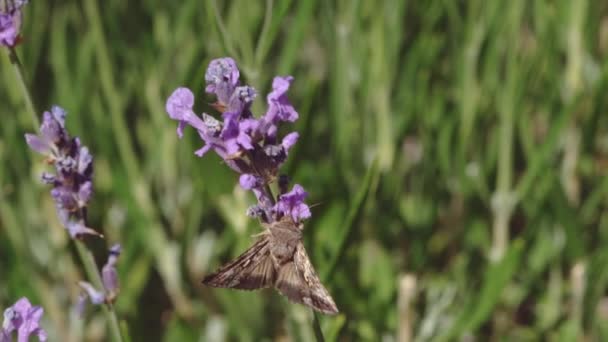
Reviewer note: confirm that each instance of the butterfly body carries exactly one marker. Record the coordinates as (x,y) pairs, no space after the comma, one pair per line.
(277,259)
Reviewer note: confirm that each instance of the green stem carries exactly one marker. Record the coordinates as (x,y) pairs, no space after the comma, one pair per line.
(261,47)
(223,30)
(92,272)
(316,326)
(19,72)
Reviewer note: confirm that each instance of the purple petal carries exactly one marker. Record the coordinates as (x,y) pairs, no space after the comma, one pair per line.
(279,108)
(180,129)
(180,103)
(64,198)
(235,138)
(31,325)
(78,230)
(37,144)
(249,182)
(84,193)
(179,107)
(85,159)
(24,318)
(59,115)
(109,273)
(201,151)
(81,305)
(222,77)
(241,99)
(292,204)
(10,24)
(289,140)
(22,306)
(300,212)
(97,297)
(42,336)
(51,130)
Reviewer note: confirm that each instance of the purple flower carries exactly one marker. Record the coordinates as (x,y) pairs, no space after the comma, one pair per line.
(235,137)
(222,77)
(95,296)
(247,144)
(23,318)
(179,107)
(10,22)
(76,229)
(52,133)
(289,140)
(249,182)
(279,107)
(72,183)
(109,274)
(292,204)
(241,100)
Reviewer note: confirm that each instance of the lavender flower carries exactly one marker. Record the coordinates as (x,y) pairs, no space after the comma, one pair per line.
(109,274)
(247,144)
(109,277)
(23,318)
(10,21)
(292,204)
(72,183)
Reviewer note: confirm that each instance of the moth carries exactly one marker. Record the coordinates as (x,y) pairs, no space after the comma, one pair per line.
(277,259)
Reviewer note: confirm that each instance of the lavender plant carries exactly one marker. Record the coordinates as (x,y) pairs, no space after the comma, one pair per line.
(72,182)
(251,146)
(23,318)
(72,185)
(110,289)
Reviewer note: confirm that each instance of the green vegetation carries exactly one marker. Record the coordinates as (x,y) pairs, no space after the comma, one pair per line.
(457,153)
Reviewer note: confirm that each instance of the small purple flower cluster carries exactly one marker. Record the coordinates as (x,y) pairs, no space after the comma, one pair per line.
(23,318)
(72,183)
(109,277)
(10,21)
(248,145)
(72,191)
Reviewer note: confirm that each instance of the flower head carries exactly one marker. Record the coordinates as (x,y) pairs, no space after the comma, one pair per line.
(10,21)
(109,274)
(222,77)
(23,318)
(73,178)
(292,204)
(247,144)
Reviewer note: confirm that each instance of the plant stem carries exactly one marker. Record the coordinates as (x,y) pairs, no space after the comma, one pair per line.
(316,326)
(19,72)
(85,255)
(92,272)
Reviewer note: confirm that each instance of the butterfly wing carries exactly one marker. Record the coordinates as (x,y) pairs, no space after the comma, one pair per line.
(251,270)
(298,281)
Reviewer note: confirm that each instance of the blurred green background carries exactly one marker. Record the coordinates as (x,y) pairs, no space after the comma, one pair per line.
(457,151)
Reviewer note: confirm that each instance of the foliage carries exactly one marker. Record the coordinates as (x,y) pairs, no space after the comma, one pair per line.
(457,152)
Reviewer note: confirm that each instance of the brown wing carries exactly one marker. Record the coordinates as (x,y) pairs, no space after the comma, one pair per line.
(251,270)
(298,281)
